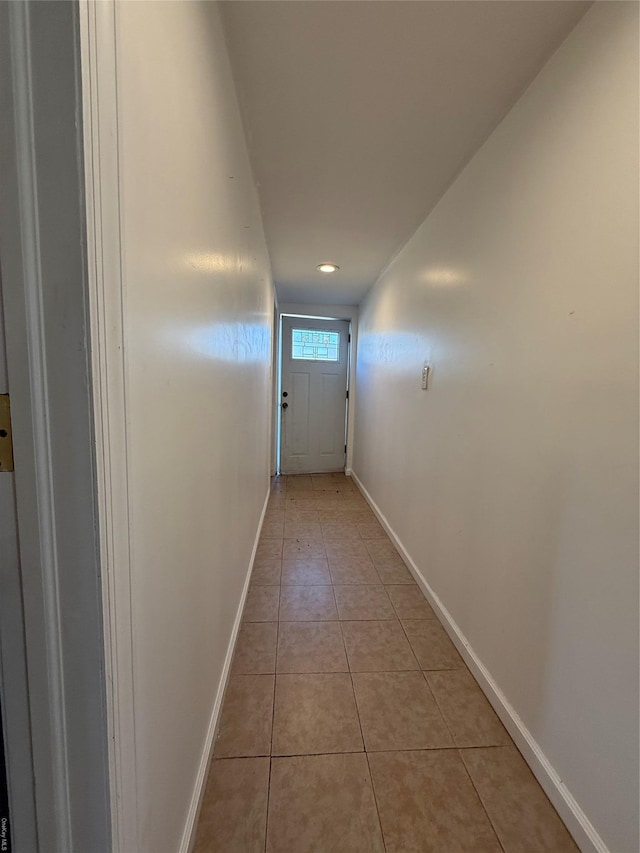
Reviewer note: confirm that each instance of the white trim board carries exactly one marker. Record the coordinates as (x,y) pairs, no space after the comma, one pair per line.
(106,311)
(53,687)
(49,644)
(577,822)
(191,825)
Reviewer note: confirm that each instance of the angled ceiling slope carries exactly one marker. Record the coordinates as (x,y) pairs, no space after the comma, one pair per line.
(360,114)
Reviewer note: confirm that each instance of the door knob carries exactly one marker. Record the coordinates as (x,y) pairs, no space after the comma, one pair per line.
(285,405)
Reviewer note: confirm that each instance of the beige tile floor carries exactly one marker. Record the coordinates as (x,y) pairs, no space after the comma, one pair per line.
(350,722)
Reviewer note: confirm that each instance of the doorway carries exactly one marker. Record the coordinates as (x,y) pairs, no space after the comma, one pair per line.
(313,394)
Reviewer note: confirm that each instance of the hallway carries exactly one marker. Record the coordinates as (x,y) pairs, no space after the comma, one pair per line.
(394,239)
(350,722)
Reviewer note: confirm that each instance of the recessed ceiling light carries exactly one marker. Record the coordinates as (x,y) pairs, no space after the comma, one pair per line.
(328,267)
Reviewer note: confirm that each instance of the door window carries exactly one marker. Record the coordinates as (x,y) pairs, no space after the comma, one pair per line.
(313,345)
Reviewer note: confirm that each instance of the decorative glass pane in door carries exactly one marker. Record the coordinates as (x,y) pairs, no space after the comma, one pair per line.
(314,345)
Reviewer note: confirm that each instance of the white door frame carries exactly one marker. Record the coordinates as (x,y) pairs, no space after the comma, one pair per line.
(284,345)
(98,39)
(349,388)
(44,284)
(333,312)
(275,391)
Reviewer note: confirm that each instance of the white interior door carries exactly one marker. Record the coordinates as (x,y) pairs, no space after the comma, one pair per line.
(313,401)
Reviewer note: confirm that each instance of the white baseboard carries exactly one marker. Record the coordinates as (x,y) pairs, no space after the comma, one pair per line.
(576,821)
(189,833)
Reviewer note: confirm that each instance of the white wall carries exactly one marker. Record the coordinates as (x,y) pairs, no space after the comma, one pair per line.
(513,482)
(198,319)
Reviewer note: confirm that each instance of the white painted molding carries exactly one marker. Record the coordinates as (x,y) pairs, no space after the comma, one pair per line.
(106,311)
(565,804)
(38,390)
(189,833)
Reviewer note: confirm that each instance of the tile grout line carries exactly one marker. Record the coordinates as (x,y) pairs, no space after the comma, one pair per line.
(453,741)
(366,753)
(364,743)
(355,699)
(425,749)
(375,800)
(480,800)
(266,822)
(437,704)
(273,710)
(459,751)
(448,727)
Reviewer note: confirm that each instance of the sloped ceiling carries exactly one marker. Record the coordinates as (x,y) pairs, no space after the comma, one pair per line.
(360,114)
